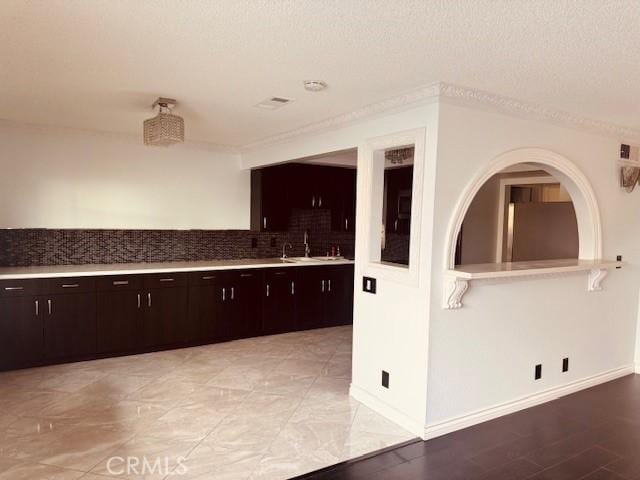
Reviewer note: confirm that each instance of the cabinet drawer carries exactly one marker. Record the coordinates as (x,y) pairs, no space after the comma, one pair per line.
(119,282)
(276,273)
(19,288)
(165,280)
(69,285)
(204,278)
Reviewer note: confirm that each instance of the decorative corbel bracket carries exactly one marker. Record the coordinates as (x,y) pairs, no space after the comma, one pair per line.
(596,275)
(454,290)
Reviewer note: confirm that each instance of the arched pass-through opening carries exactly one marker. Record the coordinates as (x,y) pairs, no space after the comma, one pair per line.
(587,216)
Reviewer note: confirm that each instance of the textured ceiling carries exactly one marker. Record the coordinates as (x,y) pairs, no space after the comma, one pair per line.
(99,64)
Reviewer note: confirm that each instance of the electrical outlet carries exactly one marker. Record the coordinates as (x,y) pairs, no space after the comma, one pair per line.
(538,374)
(565,364)
(619,259)
(369,285)
(385,379)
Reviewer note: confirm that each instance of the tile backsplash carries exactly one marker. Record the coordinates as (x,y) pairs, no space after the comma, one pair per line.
(31,247)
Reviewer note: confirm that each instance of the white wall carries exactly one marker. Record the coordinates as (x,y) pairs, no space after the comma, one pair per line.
(61,178)
(390,328)
(483,355)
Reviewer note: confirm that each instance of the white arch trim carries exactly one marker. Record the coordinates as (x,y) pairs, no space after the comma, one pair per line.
(576,183)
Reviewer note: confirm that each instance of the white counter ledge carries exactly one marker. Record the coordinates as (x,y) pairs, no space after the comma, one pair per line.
(53,271)
(457,279)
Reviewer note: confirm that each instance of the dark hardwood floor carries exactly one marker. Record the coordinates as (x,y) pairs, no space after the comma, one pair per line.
(590,435)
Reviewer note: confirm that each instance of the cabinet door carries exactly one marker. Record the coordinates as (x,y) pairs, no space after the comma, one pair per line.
(339,296)
(119,324)
(166,312)
(246,297)
(279,301)
(310,292)
(344,207)
(204,305)
(275,202)
(21,332)
(69,325)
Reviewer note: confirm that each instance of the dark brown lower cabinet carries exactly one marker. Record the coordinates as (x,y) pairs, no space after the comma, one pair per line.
(239,310)
(69,325)
(310,300)
(204,308)
(21,332)
(279,301)
(338,296)
(165,317)
(326,296)
(119,320)
(54,320)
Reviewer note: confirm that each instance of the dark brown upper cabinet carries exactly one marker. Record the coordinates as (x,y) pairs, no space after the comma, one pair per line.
(277,190)
(270,198)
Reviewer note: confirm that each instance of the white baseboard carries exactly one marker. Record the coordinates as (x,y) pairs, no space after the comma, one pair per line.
(387,411)
(464,421)
(637,367)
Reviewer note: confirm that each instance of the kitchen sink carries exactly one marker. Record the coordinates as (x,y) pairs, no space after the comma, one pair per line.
(311,259)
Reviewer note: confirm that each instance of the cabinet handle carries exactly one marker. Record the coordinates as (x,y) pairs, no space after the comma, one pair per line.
(346,224)
(322,286)
(329,284)
(293,287)
(264,222)
(121,282)
(139,302)
(224,294)
(232,292)
(246,274)
(319,202)
(280,273)
(167,279)
(49,305)
(267,289)
(70,285)
(396,224)
(14,288)
(149,299)
(313,201)
(37,308)
(208,277)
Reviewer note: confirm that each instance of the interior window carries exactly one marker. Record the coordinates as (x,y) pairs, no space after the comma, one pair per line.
(396,205)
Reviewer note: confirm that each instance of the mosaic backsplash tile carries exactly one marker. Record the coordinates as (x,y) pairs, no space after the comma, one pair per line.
(31,247)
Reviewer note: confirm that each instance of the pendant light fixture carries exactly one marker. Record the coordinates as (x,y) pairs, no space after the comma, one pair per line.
(165,128)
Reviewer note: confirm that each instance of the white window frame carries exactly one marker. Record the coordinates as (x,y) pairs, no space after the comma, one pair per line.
(370,190)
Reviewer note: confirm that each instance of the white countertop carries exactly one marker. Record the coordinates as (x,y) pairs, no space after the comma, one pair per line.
(13,273)
(518,269)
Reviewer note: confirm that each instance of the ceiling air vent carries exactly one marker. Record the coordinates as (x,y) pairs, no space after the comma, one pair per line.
(273,103)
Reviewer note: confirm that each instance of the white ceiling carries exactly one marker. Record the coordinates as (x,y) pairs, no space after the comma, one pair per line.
(99,64)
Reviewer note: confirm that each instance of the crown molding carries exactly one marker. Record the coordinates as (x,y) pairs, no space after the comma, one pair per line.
(530,110)
(458,95)
(401,102)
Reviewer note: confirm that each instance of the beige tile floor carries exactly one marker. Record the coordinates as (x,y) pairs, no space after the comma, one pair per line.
(263,408)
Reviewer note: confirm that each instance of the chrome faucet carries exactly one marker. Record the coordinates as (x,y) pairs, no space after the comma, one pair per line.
(284,249)
(307,247)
